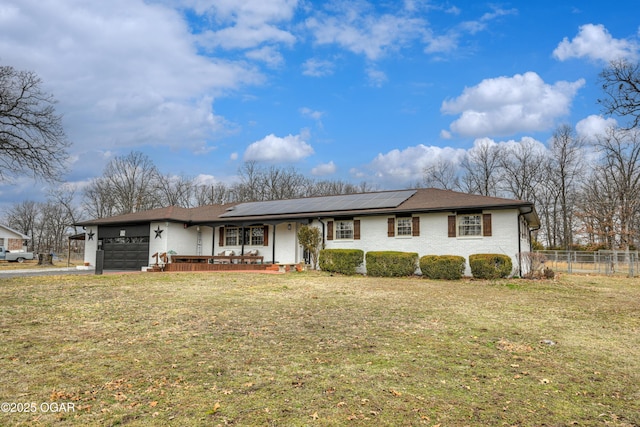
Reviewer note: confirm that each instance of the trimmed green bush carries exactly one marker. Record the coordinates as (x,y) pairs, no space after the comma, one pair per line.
(448,267)
(391,263)
(343,261)
(490,266)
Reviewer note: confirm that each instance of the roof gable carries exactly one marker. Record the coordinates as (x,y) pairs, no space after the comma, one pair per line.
(4,230)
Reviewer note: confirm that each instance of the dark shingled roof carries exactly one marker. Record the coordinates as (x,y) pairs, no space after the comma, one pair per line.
(422,200)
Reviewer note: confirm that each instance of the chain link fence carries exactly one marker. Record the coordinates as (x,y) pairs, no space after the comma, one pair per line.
(601,262)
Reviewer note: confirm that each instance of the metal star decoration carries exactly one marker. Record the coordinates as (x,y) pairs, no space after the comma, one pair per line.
(91,234)
(158,232)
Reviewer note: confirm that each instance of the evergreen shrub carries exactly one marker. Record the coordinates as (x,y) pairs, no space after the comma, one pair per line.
(391,263)
(343,261)
(448,267)
(490,266)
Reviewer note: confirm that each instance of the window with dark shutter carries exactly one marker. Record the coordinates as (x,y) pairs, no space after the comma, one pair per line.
(452,225)
(356,229)
(415,227)
(221,237)
(329,230)
(486,224)
(391,227)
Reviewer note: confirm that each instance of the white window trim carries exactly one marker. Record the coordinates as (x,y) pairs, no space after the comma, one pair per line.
(468,236)
(397,231)
(335,231)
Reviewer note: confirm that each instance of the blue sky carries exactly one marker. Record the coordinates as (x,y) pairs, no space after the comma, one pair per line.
(350,90)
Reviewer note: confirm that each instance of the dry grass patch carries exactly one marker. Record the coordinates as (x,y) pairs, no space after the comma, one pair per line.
(309,349)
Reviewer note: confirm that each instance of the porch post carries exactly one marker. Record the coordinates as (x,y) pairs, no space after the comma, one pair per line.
(242,237)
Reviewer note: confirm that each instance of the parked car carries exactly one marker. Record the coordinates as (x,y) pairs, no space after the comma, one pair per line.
(13,256)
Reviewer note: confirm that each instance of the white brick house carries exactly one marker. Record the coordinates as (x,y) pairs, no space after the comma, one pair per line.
(426,221)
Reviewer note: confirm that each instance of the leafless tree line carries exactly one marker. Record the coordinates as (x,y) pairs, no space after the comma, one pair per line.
(585,192)
(132,183)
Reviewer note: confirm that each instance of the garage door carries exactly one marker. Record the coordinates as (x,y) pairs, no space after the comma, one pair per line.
(125,247)
(126,253)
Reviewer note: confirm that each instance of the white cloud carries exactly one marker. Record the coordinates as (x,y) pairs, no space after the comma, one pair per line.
(317,68)
(267,54)
(126,73)
(252,22)
(273,148)
(308,112)
(205,179)
(596,43)
(594,126)
(376,77)
(448,42)
(355,28)
(407,166)
(507,105)
(324,169)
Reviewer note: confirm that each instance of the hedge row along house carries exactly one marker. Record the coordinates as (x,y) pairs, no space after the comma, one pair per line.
(427,221)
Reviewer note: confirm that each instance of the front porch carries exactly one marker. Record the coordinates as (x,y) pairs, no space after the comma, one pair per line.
(218,263)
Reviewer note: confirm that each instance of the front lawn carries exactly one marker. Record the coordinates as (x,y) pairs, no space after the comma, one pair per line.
(310,349)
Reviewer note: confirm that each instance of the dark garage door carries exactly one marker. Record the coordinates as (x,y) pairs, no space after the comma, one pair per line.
(125,248)
(126,253)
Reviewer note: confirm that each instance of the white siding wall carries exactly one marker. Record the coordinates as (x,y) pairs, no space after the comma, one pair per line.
(90,246)
(434,240)
(183,241)
(287,249)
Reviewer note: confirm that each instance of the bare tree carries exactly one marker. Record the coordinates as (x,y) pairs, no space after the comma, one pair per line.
(564,172)
(98,201)
(214,194)
(620,151)
(176,190)
(32,139)
(597,209)
(523,167)
(621,85)
(442,174)
(65,196)
(129,184)
(23,217)
(482,169)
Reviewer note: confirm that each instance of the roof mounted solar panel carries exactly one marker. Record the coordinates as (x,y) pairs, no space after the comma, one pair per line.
(344,202)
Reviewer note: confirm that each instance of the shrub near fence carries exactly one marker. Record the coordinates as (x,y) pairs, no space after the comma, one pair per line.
(343,261)
(490,266)
(448,267)
(391,263)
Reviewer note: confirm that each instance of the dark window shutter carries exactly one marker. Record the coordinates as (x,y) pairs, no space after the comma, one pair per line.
(329,230)
(221,240)
(356,229)
(266,235)
(391,227)
(486,225)
(452,226)
(415,227)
